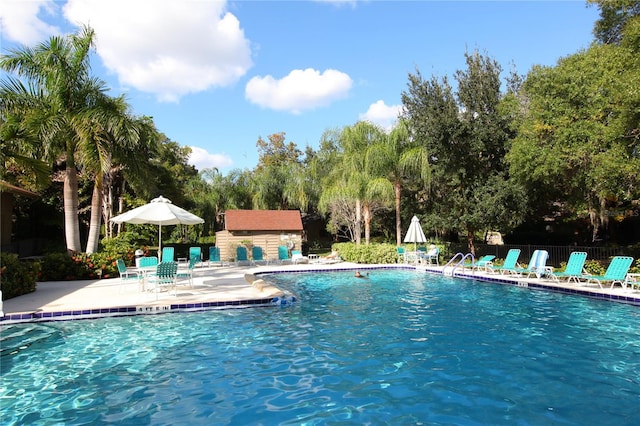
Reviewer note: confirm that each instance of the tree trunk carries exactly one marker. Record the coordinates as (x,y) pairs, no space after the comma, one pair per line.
(358,227)
(367,223)
(96,215)
(121,205)
(397,188)
(70,199)
(107,203)
(471,239)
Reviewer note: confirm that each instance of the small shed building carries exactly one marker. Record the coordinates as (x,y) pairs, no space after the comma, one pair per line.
(264,228)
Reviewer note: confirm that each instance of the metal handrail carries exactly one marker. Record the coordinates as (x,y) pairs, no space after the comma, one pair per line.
(466,256)
(454,258)
(463,257)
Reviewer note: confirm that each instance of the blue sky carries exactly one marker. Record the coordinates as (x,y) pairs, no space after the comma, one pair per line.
(218,75)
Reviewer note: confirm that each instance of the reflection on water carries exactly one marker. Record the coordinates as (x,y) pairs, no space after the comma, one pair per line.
(395,348)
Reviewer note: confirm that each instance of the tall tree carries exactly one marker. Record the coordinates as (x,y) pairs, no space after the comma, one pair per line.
(581,137)
(110,133)
(351,189)
(280,182)
(396,156)
(61,87)
(614,15)
(466,135)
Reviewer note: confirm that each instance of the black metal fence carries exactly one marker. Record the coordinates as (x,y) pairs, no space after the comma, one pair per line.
(557,254)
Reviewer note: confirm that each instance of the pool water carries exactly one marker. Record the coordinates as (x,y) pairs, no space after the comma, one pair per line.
(397,347)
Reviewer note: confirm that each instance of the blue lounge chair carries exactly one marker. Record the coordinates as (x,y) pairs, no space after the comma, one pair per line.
(574,269)
(214,256)
(616,272)
(257,255)
(510,262)
(483,262)
(167,254)
(283,254)
(518,270)
(195,252)
(241,255)
(538,265)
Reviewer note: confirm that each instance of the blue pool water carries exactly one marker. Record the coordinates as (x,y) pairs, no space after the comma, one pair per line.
(398,347)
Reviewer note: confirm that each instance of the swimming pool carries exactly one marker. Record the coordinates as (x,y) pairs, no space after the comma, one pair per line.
(398,347)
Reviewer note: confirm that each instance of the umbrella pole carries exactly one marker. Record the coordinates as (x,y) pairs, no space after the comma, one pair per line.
(160,243)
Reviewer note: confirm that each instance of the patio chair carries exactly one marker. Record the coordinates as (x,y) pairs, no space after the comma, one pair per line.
(297,257)
(482,263)
(402,256)
(127,275)
(242,256)
(283,254)
(167,254)
(195,252)
(214,256)
(538,266)
(510,262)
(165,276)
(147,262)
(574,269)
(616,272)
(258,256)
(187,274)
(429,257)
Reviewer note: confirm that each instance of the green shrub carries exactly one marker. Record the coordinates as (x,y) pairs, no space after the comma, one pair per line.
(366,254)
(16,277)
(60,267)
(82,266)
(209,239)
(122,247)
(594,267)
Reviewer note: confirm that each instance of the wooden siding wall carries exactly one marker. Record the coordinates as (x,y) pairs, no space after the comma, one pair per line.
(269,241)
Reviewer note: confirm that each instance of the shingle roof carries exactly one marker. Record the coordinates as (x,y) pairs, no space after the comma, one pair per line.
(263,220)
(7,187)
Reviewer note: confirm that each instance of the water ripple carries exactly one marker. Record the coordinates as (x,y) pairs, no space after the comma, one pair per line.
(402,348)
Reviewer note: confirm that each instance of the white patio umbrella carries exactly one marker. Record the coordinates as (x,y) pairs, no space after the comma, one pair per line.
(160,211)
(415,234)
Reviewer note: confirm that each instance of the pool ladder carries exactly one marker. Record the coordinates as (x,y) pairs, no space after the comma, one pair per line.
(450,267)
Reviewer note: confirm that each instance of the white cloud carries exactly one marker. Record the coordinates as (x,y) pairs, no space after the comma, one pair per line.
(165,47)
(300,90)
(381,114)
(21,22)
(201,159)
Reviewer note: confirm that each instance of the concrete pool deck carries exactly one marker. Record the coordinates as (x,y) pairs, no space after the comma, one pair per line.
(228,287)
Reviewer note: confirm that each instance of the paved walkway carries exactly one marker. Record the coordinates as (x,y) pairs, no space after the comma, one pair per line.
(222,287)
(213,287)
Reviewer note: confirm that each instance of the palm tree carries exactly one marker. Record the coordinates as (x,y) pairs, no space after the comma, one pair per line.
(352,182)
(109,133)
(63,92)
(396,156)
(19,153)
